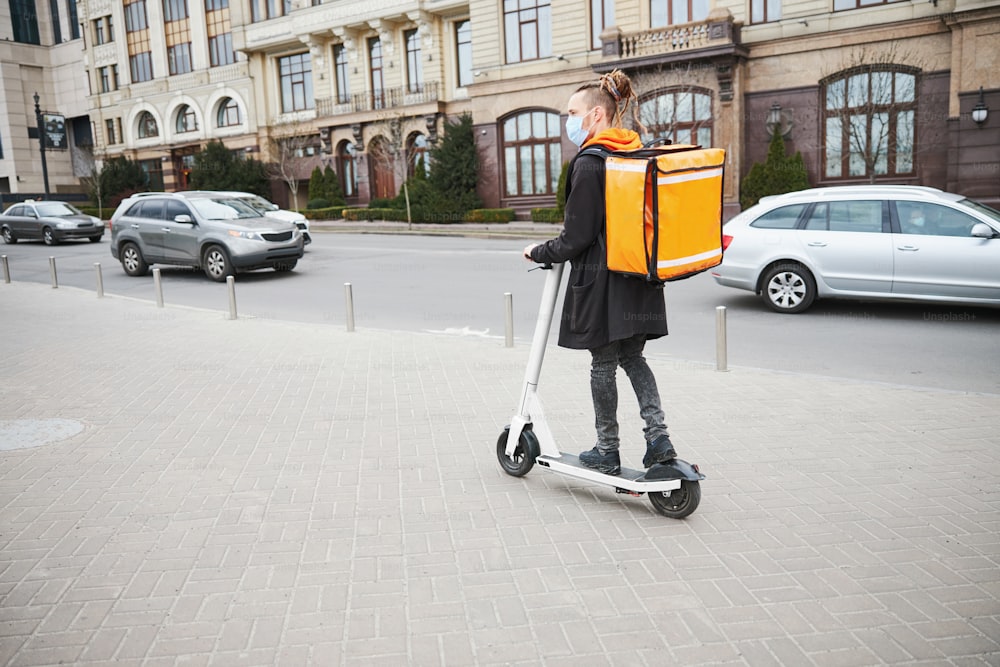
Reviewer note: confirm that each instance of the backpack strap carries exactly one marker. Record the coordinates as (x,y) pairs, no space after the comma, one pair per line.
(597,150)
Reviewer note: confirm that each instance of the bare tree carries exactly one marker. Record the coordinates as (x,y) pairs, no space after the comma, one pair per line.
(90,163)
(389,153)
(869,112)
(288,142)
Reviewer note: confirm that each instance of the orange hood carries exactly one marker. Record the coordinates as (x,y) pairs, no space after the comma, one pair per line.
(616,139)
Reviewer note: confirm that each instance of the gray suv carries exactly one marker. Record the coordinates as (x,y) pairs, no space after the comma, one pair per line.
(213,231)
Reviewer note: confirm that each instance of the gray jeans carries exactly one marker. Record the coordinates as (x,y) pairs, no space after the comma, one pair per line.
(605,360)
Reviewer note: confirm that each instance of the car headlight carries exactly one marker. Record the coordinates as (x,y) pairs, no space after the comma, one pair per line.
(62,224)
(252,236)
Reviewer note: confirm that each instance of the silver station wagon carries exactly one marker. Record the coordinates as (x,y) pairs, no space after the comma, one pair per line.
(864,242)
(218,233)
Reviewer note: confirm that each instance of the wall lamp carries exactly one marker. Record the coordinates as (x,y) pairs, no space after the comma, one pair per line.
(980,112)
(778,119)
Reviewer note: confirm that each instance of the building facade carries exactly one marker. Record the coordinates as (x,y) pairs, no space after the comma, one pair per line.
(867,91)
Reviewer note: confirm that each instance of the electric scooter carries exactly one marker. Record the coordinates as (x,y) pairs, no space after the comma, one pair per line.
(673,487)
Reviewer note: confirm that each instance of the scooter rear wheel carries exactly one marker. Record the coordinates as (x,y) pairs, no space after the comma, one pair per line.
(524,455)
(678,503)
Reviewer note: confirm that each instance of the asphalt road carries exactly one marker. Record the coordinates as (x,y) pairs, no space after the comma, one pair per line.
(456,286)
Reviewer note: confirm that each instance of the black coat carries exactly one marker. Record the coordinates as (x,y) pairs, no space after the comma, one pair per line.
(599,307)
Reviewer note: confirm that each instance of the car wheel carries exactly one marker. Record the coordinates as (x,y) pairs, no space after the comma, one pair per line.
(47,236)
(788,288)
(286,266)
(216,264)
(95,239)
(8,236)
(132,260)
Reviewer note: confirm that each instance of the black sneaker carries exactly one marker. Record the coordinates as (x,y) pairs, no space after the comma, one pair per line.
(660,450)
(609,464)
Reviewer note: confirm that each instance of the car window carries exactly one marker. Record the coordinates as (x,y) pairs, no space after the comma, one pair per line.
(846,216)
(175,208)
(980,207)
(780,218)
(55,209)
(223,209)
(933,219)
(15,210)
(148,208)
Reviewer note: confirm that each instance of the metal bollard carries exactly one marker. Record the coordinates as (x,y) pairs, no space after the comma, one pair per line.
(349,296)
(100,280)
(509,328)
(158,288)
(231,284)
(720,338)
(52,272)
(6,268)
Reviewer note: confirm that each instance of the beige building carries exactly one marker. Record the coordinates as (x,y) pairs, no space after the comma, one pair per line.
(864,90)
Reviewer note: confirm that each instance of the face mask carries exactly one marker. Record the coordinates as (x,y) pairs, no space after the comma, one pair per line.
(917,222)
(575,131)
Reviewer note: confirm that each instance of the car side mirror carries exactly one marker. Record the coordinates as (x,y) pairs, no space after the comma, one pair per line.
(981,230)
(183,217)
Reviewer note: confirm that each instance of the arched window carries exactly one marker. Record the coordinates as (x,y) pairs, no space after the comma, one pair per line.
(417,155)
(147,126)
(229,113)
(682,115)
(347,168)
(869,121)
(532,153)
(187,120)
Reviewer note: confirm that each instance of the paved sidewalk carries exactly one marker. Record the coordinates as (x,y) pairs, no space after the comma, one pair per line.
(181,489)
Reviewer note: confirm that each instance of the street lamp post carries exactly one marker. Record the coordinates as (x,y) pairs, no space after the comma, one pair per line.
(41,143)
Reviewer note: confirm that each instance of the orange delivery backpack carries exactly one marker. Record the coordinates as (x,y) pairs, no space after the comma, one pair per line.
(663,210)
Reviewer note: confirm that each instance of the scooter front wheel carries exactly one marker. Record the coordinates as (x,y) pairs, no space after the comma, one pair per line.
(678,503)
(523,459)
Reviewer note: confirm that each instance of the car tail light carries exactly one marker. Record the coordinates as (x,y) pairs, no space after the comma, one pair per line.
(726,240)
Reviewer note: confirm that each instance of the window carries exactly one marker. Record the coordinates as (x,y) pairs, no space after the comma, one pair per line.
(764,11)
(74,21)
(220,38)
(933,219)
(140,60)
(295,73)
(347,168)
(527,29)
(154,174)
(178,36)
(869,122)
(784,217)
(147,126)
(229,113)
(108,78)
(109,128)
(682,115)
(417,156)
(56,28)
(856,4)
(847,216)
(103,30)
(602,16)
(375,64)
(532,153)
(671,12)
(463,49)
(187,120)
(340,69)
(414,68)
(172,208)
(24,21)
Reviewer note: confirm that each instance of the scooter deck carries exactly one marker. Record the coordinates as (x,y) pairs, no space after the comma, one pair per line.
(629,479)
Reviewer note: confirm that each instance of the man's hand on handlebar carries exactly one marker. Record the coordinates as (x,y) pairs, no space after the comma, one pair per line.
(528,249)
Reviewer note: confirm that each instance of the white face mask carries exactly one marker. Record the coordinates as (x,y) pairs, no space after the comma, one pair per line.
(917,222)
(575,131)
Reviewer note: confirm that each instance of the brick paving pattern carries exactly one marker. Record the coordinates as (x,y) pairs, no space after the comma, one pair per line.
(257,492)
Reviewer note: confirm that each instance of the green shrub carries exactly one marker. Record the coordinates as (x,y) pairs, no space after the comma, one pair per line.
(546,215)
(327,213)
(390,214)
(777,175)
(318,202)
(490,215)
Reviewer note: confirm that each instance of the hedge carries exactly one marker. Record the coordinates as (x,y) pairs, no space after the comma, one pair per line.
(331,213)
(501,215)
(546,215)
(490,215)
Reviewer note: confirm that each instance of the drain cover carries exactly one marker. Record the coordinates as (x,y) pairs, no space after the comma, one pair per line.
(26,433)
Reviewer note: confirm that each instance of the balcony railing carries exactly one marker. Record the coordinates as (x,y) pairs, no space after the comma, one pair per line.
(715,31)
(387,98)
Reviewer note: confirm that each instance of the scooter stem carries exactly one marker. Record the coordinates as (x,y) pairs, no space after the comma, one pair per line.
(546,309)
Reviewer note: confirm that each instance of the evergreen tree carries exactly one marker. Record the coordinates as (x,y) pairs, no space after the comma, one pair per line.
(118,178)
(334,194)
(455,166)
(216,168)
(778,174)
(317,185)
